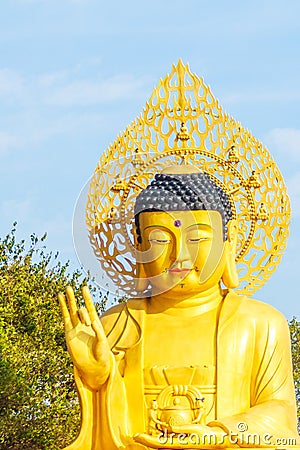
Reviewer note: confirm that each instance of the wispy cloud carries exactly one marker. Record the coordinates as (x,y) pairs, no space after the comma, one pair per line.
(293,184)
(285,141)
(50,104)
(16,209)
(285,145)
(91,92)
(11,83)
(69,87)
(50,2)
(257,96)
(7,142)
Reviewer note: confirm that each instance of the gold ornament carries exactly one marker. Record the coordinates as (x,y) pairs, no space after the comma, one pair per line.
(183,123)
(183,134)
(262,212)
(253,180)
(137,160)
(119,186)
(233,157)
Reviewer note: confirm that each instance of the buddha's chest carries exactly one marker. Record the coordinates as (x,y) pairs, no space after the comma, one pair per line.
(180,363)
(175,341)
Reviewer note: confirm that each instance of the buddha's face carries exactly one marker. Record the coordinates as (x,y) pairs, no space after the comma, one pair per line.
(183,250)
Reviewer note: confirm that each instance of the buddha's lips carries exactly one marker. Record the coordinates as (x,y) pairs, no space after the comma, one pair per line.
(177,270)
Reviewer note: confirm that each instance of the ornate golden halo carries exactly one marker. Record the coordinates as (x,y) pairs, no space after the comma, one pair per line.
(183,124)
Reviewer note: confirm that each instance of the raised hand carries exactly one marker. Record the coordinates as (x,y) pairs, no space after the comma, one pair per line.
(86,340)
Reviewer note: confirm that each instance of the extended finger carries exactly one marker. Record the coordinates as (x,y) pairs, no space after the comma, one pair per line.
(95,321)
(89,304)
(84,316)
(73,306)
(65,312)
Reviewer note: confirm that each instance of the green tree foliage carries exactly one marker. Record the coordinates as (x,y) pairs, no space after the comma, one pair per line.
(38,401)
(39,408)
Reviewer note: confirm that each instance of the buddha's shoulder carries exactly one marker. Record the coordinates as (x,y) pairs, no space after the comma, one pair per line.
(122,310)
(255,306)
(121,323)
(259,310)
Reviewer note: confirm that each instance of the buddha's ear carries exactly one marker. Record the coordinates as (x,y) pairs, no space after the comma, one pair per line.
(135,238)
(141,280)
(230,277)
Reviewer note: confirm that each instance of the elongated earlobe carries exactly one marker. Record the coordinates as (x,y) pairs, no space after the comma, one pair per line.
(230,276)
(141,281)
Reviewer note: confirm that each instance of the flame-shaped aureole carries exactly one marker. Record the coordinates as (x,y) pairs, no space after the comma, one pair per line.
(183,123)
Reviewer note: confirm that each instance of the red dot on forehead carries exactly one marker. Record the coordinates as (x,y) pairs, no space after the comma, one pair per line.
(177,223)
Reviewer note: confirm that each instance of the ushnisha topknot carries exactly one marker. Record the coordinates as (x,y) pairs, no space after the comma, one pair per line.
(182,192)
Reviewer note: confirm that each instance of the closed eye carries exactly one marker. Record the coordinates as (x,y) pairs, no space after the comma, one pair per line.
(198,239)
(160,241)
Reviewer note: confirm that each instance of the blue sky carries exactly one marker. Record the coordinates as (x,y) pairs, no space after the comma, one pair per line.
(74,73)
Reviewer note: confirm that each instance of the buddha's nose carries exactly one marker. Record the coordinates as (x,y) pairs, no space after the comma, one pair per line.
(181,253)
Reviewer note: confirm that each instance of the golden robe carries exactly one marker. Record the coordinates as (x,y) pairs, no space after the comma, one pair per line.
(254,377)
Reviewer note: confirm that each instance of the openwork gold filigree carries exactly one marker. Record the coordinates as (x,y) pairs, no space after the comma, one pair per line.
(184,124)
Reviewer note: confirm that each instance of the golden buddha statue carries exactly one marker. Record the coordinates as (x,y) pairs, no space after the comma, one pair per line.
(186,362)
